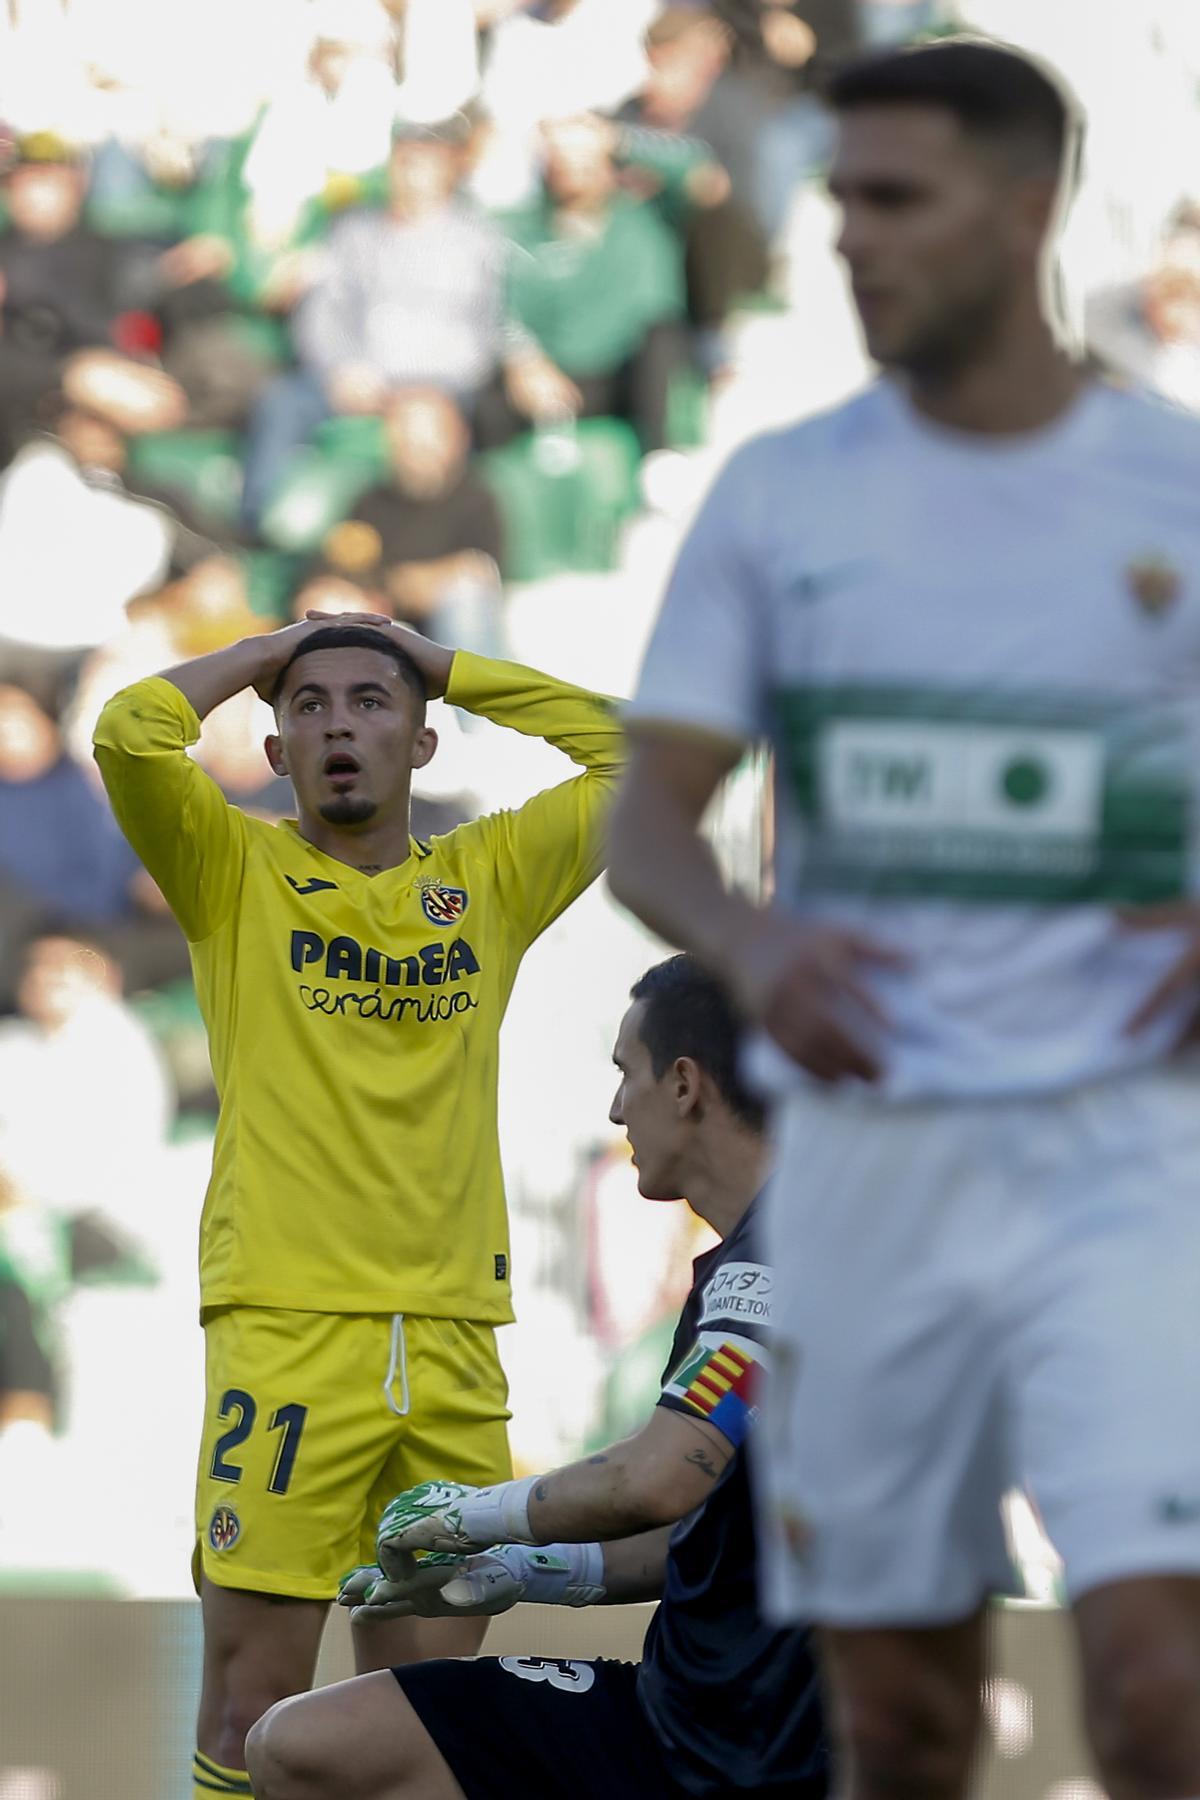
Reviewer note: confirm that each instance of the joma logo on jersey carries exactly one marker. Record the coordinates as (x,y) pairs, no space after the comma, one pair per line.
(344,959)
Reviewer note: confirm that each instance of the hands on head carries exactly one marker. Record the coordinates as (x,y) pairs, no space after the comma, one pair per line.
(277,647)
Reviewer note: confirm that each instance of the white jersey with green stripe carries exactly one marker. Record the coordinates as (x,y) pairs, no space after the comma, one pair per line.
(977,660)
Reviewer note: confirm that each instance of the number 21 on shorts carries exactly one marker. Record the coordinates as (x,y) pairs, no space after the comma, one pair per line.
(287,1420)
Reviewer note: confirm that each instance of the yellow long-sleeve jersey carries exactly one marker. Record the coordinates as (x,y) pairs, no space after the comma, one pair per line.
(354,1021)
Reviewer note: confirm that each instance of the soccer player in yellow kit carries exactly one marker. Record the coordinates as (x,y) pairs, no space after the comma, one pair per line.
(354,1246)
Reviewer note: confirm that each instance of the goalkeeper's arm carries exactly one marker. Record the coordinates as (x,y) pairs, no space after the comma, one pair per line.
(635,1568)
(656,1477)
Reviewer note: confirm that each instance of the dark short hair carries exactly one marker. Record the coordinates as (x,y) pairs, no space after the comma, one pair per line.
(689,1013)
(996,94)
(354,637)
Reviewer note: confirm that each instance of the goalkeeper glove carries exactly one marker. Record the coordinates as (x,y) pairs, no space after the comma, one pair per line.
(455,1587)
(445,1515)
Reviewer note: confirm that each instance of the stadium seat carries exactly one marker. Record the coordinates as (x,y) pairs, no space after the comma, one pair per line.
(270,576)
(151,211)
(632,1385)
(172,1016)
(564,495)
(203,466)
(687,410)
(346,456)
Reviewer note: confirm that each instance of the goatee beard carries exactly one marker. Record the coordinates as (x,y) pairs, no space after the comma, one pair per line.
(347,809)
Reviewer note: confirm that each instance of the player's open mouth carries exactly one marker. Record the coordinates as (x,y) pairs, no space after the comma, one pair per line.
(341,767)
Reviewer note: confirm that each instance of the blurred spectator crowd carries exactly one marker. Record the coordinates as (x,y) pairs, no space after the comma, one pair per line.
(335,303)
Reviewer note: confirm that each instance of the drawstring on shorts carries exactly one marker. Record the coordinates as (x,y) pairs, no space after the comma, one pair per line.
(397,1359)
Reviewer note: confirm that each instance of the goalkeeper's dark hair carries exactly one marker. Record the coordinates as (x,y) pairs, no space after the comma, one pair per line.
(355,637)
(687,1012)
(998,95)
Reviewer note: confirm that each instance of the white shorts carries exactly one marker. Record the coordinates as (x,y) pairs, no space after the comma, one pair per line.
(974,1297)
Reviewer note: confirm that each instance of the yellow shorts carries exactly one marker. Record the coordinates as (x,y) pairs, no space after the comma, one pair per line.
(313,1421)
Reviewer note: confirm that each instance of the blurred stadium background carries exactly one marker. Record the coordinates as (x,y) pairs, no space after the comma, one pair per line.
(175,190)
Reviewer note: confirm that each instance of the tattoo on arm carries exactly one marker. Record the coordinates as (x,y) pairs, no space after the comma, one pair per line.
(597,1459)
(701,1460)
(539,1492)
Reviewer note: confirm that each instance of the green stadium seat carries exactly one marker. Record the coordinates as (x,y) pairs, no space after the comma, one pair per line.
(687,410)
(270,576)
(204,466)
(171,1014)
(632,1385)
(345,458)
(564,496)
(154,212)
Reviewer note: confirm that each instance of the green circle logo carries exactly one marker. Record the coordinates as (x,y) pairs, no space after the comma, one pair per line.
(1025,781)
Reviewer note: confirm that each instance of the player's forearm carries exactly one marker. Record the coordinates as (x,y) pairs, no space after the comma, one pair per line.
(664,871)
(208,681)
(175,817)
(585,726)
(632,1487)
(610,1495)
(647,1481)
(652,1479)
(635,1567)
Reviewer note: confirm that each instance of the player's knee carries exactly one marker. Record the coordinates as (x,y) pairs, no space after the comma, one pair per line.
(911,1745)
(1144,1714)
(285,1759)
(262,1764)
(240,1711)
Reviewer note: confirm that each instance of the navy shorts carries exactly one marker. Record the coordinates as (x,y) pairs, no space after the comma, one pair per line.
(509,1725)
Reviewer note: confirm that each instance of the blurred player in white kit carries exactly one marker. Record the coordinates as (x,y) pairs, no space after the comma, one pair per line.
(964,609)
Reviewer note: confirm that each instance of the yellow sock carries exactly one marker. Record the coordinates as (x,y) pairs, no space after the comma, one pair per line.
(209,1778)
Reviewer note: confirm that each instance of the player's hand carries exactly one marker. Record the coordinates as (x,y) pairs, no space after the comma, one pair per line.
(1182,978)
(358,1587)
(368,1593)
(807,986)
(275,649)
(439,1587)
(480,1586)
(446,1515)
(426,1517)
(435,661)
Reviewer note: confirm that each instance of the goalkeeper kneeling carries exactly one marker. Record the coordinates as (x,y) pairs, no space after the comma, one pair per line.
(721,1702)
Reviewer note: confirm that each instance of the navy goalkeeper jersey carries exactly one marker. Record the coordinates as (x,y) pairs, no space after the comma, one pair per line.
(733,1701)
